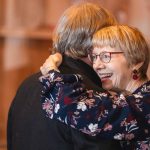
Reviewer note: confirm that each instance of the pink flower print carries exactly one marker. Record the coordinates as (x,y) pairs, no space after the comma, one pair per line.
(107,127)
(90,93)
(90,102)
(129,136)
(144,146)
(47,105)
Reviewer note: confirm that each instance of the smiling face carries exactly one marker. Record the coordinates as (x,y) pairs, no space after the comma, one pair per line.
(113,74)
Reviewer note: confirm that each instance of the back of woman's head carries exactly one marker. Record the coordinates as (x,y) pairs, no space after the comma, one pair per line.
(76,27)
(128,40)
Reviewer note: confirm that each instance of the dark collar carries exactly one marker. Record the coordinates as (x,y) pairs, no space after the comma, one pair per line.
(78,66)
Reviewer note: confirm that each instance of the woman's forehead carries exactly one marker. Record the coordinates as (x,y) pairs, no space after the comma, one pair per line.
(97,50)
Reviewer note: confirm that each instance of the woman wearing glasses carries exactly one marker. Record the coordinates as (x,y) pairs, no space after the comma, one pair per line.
(120,56)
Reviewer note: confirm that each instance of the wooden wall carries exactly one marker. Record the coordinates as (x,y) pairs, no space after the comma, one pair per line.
(37,52)
(25,36)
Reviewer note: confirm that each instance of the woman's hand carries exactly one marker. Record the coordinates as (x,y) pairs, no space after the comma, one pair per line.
(52,62)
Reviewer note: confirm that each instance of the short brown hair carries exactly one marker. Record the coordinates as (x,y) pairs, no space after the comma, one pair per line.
(76,27)
(127,39)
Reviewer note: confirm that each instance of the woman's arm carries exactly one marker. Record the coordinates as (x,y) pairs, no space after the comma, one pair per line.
(110,116)
(94,113)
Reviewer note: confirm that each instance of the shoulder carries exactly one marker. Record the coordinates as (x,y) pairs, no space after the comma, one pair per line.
(30,85)
(32,80)
(28,91)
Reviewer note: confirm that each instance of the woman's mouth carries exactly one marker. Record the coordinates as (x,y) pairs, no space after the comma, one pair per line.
(105,76)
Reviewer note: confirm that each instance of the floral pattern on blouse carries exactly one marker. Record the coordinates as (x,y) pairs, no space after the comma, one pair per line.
(125,118)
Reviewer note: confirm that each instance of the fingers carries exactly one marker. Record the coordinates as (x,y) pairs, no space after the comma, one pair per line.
(44,70)
(52,62)
(57,58)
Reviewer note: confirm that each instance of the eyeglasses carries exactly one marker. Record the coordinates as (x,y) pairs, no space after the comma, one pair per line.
(105,57)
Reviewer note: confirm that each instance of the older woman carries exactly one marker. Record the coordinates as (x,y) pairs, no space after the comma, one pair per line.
(120,56)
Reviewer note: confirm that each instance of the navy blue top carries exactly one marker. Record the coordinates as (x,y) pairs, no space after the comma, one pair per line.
(120,117)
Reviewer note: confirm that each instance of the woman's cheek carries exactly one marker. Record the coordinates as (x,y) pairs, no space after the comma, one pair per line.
(116,81)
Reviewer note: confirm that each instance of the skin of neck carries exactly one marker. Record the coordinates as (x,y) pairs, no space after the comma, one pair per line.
(135,84)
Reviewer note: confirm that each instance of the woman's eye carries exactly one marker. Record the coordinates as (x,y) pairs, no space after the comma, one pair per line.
(94,57)
(106,56)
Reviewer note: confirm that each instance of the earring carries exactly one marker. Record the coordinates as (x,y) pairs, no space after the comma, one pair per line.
(135,74)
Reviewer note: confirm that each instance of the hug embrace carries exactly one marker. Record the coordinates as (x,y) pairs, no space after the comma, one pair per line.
(119,56)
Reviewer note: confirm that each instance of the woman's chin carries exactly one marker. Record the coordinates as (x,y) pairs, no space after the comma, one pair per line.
(107,86)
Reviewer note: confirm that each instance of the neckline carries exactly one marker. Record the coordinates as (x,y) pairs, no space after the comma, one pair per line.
(140,87)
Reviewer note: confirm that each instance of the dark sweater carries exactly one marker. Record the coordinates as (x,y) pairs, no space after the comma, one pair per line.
(29,129)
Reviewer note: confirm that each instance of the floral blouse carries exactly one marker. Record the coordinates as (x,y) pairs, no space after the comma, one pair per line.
(125,118)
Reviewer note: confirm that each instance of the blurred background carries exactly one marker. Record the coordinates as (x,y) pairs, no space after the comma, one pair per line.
(26,28)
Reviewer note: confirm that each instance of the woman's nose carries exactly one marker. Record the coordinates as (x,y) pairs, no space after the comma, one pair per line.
(98,64)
